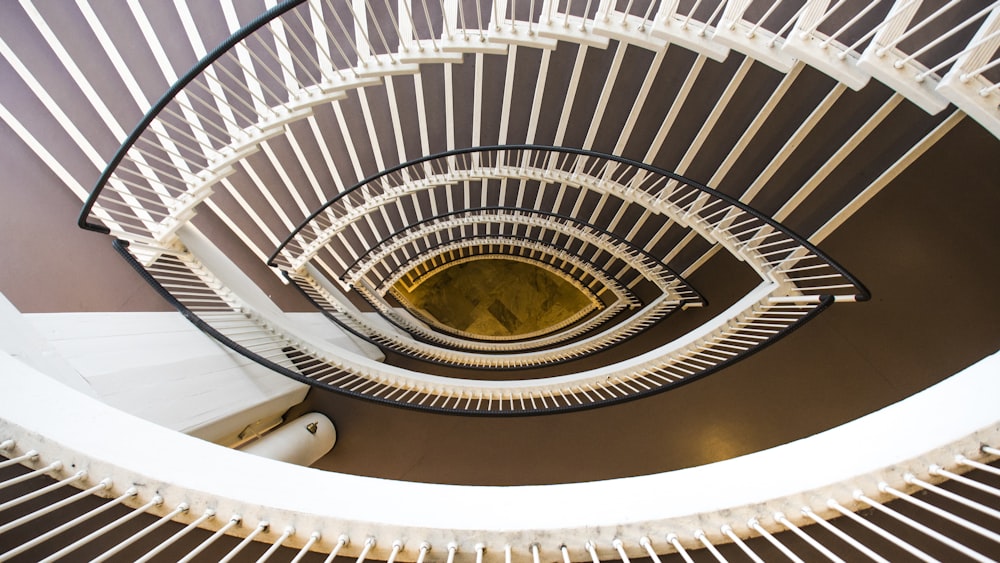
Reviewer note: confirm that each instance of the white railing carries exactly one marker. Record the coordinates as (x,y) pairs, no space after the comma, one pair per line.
(755,321)
(249,94)
(71,441)
(770,250)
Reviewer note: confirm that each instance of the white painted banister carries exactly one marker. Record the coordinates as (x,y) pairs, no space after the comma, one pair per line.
(608,519)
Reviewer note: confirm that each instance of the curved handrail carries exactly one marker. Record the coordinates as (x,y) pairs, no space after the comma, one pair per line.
(686,362)
(750,329)
(504,209)
(861,292)
(960,85)
(171,93)
(621,293)
(843,465)
(598,272)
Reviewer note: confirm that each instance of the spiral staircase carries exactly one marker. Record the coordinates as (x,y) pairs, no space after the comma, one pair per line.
(679,163)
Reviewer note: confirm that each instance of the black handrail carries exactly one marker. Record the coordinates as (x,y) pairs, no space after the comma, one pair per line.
(413,355)
(171,93)
(862,292)
(257,23)
(121,247)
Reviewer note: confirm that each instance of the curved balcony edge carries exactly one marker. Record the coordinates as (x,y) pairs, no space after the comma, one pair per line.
(63,424)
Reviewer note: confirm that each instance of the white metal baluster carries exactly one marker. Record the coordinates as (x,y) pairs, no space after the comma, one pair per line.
(773,41)
(319,20)
(675,541)
(347,35)
(290,82)
(255,86)
(233,521)
(378,29)
(479,20)
(892,15)
(952,31)
(430,28)
(757,25)
(397,546)
(261,527)
(314,63)
(155,501)
(208,514)
(321,37)
(715,13)
(39,492)
(962,460)
(819,21)
(341,542)
(620,548)
(728,531)
(884,487)
(182,507)
(922,528)
(826,42)
(401,35)
(369,544)
(535,557)
(965,77)
(840,534)
(648,546)
(881,51)
(883,180)
(54,466)
(131,492)
(103,485)
(289,531)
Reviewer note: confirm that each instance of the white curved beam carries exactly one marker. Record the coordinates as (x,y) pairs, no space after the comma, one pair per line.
(43,415)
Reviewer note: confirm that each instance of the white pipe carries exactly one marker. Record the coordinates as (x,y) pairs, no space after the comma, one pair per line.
(302,441)
(940,512)
(924,529)
(850,540)
(952,496)
(277,544)
(207,515)
(155,501)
